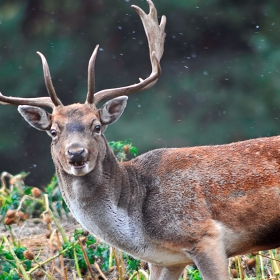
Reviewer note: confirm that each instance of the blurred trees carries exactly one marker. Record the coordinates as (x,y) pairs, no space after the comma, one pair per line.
(220,82)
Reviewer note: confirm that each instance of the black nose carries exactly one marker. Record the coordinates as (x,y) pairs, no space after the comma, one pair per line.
(77,154)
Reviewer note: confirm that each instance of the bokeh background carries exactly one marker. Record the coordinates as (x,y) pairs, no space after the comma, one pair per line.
(220,81)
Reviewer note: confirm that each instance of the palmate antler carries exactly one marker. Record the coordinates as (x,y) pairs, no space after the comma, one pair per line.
(155,35)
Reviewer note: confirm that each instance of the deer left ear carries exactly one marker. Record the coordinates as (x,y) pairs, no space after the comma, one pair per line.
(35,116)
(112,110)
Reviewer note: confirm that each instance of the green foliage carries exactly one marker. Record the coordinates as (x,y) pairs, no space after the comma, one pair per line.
(55,199)
(11,275)
(8,264)
(132,264)
(193,273)
(93,249)
(6,260)
(10,197)
(122,148)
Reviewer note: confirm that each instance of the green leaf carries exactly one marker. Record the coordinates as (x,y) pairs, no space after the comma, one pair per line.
(58,208)
(132,264)
(11,275)
(27,190)
(28,264)
(193,273)
(19,252)
(8,266)
(134,151)
(90,240)
(127,142)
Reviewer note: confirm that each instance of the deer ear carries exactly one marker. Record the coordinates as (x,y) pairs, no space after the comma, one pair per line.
(112,110)
(36,117)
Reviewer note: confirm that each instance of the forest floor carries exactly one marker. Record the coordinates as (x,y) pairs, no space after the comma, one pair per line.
(33,234)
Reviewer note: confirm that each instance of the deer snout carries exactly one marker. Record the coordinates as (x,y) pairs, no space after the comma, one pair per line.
(77,155)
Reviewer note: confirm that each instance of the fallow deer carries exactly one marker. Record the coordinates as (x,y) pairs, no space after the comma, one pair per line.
(169,207)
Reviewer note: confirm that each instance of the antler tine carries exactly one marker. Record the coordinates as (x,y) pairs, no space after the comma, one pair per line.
(144,84)
(155,35)
(154,32)
(91,77)
(39,101)
(51,101)
(48,81)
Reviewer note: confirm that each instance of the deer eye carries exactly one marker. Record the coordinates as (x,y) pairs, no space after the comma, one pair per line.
(53,132)
(97,128)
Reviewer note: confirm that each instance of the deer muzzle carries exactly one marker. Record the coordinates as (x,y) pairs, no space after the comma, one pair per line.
(77,156)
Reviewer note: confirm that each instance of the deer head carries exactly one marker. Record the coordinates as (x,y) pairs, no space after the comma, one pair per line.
(77,129)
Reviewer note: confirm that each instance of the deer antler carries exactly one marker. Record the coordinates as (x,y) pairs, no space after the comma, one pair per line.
(91,79)
(51,101)
(38,101)
(155,35)
(48,81)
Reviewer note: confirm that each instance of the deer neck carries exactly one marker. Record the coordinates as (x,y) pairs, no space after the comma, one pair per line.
(102,203)
(96,185)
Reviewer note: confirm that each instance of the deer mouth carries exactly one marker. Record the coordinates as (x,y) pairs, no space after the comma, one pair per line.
(78,168)
(78,164)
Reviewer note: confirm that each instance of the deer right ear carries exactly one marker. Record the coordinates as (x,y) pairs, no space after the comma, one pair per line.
(36,117)
(112,110)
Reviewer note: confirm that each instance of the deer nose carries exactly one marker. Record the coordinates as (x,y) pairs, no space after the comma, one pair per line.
(77,153)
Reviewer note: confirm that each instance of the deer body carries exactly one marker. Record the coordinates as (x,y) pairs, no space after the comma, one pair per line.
(169,207)
(165,204)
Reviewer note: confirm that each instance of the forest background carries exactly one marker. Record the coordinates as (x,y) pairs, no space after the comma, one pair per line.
(220,81)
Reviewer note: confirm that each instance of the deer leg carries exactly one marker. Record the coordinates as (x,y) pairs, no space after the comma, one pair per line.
(165,273)
(209,253)
(210,266)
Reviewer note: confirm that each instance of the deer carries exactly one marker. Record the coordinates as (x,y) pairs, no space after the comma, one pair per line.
(170,207)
